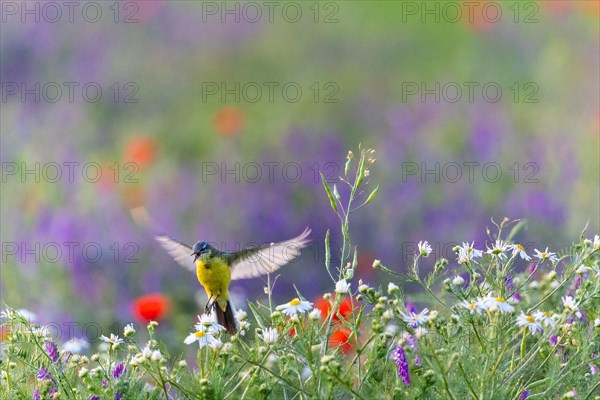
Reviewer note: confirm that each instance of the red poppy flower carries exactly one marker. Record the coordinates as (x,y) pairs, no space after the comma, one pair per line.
(483,15)
(229,121)
(325,307)
(341,339)
(140,150)
(151,307)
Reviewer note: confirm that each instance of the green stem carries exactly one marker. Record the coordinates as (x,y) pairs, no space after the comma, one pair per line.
(523,343)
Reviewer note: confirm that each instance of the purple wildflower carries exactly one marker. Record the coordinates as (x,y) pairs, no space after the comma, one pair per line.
(508,282)
(402,364)
(118,396)
(524,395)
(51,350)
(553,340)
(94,397)
(36,394)
(417,361)
(593,369)
(104,383)
(42,374)
(118,371)
(410,307)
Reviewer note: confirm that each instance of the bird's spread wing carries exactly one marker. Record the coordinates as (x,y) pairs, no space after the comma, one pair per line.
(182,253)
(257,261)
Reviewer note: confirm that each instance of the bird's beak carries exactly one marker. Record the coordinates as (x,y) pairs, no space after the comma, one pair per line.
(195,256)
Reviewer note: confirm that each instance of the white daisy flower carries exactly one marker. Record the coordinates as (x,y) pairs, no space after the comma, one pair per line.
(12,314)
(240,315)
(424,248)
(315,314)
(41,332)
(520,250)
(498,303)
(420,332)
(546,255)
(269,335)
(216,344)
(476,306)
(530,322)
(342,286)
(416,318)
(498,249)
(244,326)
(156,356)
(392,288)
(458,281)
(207,323)
(128,330)
(467,252)
(76,345)
(202,337)
(83,372)
(570,304)
(596,244)
(294,307)
(545,318)
(114,341)
(582,269)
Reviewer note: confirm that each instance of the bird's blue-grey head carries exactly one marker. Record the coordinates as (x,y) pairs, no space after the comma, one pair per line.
(201,248)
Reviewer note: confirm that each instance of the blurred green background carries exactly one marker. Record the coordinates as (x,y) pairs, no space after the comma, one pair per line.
(186,100)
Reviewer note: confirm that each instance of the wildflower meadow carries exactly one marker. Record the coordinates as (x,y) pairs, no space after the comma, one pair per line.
(285,200)
(479,328)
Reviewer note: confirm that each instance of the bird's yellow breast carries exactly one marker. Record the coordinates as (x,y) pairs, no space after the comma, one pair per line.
(214,274)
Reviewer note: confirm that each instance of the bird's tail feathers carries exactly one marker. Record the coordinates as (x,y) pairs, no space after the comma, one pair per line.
(226,318)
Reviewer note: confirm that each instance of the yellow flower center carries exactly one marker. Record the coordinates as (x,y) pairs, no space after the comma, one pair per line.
(544,254)
(469,250)
(500,300)
(200,334)
(546,314)
(530,319)
(295,302)
(518,246)
(472,306)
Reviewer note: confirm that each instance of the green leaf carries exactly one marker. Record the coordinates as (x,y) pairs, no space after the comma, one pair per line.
(347,166)
(361,171)
(257,316)
(329,194)
(372,195)
(336,194)
(516,229)
(328,255)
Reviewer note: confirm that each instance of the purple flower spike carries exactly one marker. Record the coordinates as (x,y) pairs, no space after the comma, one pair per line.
(593,369)
(118,371)
(524,395)
(402,364)
(94,397)
(553,340)
(410,307)
(42,374)
(36,394)
(51,350)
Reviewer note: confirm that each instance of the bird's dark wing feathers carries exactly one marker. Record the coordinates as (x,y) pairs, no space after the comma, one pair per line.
(181,252)
(257,261)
